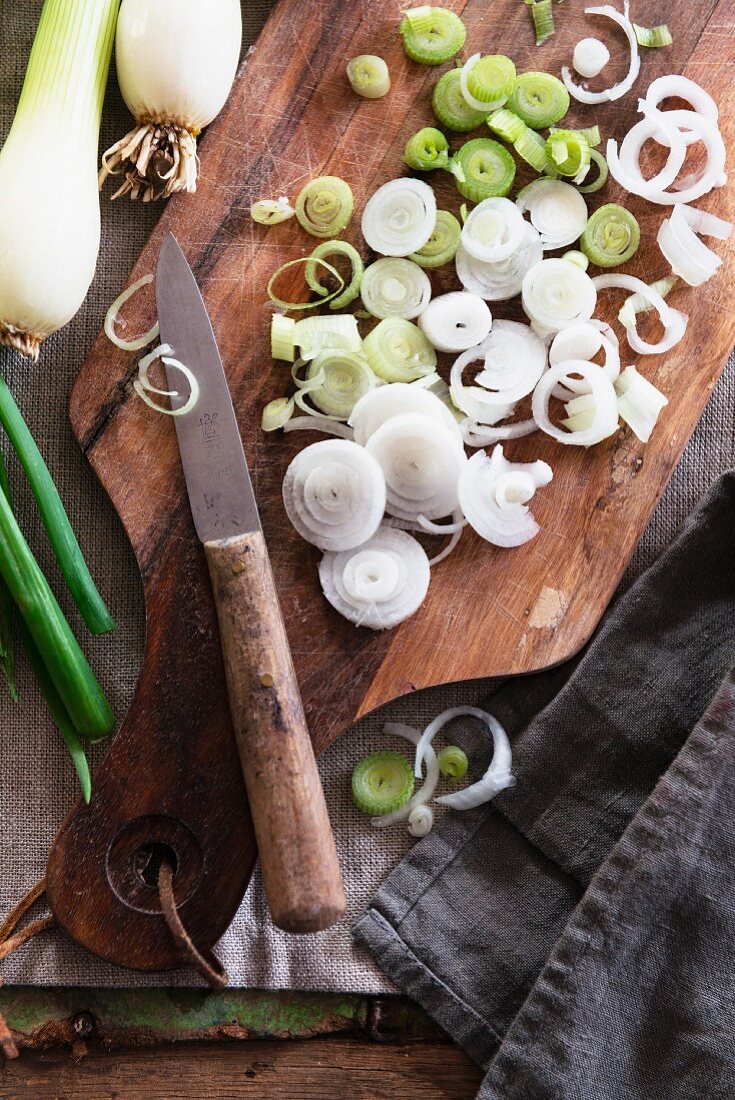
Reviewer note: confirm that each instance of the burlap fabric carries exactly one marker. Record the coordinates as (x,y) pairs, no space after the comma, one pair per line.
(37,784)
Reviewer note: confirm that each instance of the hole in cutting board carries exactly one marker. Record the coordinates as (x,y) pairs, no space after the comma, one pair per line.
(135,855)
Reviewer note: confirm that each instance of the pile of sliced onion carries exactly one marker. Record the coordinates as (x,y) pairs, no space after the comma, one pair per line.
(456,321)
(555,294)
(599,403)
(334,494)
(501,279)
(689,257)
(674,322)
(556,209)
(634,67)
(494,496)
(400,217)
(380,583)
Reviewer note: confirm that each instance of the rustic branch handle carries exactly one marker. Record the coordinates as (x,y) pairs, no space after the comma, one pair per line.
(297,852)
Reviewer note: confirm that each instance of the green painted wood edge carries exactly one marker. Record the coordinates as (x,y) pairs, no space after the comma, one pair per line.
(46,1016)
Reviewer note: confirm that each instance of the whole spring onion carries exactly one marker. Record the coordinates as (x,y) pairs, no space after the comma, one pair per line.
(451,108)
(176,62)
(381,783)
(443,243)
(427,149)
(333,249)
(398,351)
(395,287)
(453,762)
(324,206)
(432,35)
(49,207)
(611,236)
(369,76)
(55,520)
(538,99)
(67,666)
(488,169)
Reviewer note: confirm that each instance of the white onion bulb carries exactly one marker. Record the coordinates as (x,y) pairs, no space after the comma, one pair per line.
(494,496)
(380,583)
(334,494)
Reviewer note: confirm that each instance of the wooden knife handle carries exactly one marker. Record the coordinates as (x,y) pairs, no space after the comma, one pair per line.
(297,852)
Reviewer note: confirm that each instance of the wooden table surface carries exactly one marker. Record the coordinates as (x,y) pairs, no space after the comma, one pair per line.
(182,1044)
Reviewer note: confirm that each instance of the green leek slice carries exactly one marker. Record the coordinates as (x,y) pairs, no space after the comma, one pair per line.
(443,243)
(332,249)
(488,167)
(382,782)
(451,108)
(432,35)
(343,376)
(595,158)
(611,236)
(650,37)
(539,99)
(398,351)
(543,19)
(569,153)
(427,149)
(491,78)
(282,337)
(453,762)
(324,206)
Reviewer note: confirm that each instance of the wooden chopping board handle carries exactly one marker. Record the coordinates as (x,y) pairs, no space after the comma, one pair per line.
(298,857)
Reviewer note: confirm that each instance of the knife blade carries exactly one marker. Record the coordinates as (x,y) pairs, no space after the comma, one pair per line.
(299,861)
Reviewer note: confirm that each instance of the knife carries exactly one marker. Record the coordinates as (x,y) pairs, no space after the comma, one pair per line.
(298,857)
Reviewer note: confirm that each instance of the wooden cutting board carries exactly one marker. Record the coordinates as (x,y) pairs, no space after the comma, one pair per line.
(173,767)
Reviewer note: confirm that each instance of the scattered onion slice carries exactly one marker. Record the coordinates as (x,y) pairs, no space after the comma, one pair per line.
(144,387)
(584,341)
(556,294)
(334,494)
(312,424)
(513,358)
(639,402)
(617,90)
(456,321)
(497,777)
(397,399)
(674,322)
(476,434)
(395,287)
(604,421)
(688,256)
(140,341)
(494,494)
(590,57)
(380,583)
(473,101)
(500,281)
(425,793)
(493,230)
(556,209)
(421,461)
(400,217)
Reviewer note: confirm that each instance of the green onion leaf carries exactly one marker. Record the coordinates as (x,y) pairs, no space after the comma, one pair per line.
(451,108)
(488,168)
(7,612)
(650,37)
(382,782)
(539,99)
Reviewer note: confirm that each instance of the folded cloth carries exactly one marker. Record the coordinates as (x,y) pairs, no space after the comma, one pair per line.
(467,922)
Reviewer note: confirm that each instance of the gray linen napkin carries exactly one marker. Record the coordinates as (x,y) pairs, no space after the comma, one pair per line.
(467,922)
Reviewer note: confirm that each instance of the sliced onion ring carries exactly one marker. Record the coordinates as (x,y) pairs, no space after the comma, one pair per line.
(674,322)
(605,419)
(617,90)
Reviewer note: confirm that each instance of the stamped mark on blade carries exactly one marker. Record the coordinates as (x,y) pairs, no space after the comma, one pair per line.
(549,609)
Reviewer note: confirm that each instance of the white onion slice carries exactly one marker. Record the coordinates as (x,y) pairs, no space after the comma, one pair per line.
(493,230)
(380,583)
(473,101)
(144,387)
(421,821)
(334,494)
(655,126)
(456,321)
(139,342)
(590,57)
(421,797)
(681,87)
(497,777)
(584,341)
(496,282)
(639,402)
(494,494)
(617,90)
(556,209)
(476,434)
(513,358)
(399,217)
(395,399)
(674,322)
(318,424)
(421,461)
(689,257)
(603,399)
(395,287)
(555,294)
